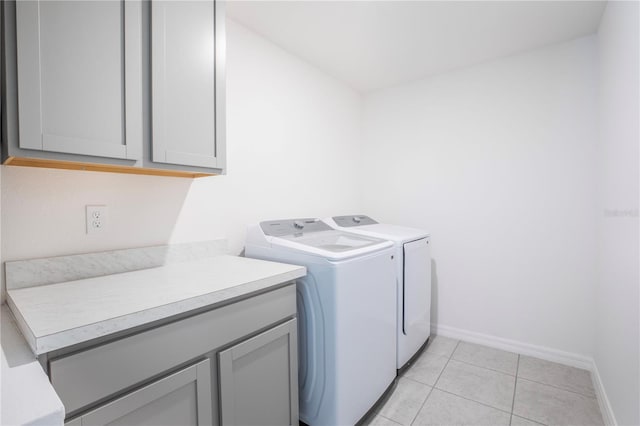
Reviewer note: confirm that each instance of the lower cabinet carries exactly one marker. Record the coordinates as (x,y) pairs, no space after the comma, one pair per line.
(259,379)
(182,398)
(232,365)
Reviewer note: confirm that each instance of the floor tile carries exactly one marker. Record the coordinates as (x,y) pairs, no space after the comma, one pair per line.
(482,356)
(479,384)
(381,421)
(553,406)
(558,375)
(519,421)
(444,408)
(427,368)
(405,401)
(442,346)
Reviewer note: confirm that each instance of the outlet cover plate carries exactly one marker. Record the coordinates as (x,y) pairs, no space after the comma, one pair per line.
(96,218)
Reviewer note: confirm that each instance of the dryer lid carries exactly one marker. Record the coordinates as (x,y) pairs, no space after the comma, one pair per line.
(370,228)
(353,220)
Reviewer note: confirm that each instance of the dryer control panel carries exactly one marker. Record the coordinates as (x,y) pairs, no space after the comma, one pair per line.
(353,220)
(279,228)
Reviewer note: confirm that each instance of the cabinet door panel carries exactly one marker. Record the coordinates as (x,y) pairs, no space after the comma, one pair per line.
(183,55)
(183,398)
(259,379)
(77,72)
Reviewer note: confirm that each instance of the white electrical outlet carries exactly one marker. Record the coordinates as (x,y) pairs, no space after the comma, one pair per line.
(96,219)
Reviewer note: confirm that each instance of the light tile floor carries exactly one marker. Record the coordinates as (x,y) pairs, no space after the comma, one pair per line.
(460,383)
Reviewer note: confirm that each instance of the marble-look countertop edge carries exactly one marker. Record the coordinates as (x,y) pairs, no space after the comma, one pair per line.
(63,339)
(24,328)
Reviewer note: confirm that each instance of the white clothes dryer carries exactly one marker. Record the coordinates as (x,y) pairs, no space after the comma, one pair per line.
(413,269)
(346,315)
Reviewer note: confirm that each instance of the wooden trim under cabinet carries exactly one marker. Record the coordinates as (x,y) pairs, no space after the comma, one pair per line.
(72,165)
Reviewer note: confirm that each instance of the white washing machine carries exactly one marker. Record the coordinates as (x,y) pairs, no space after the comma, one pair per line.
(346,315)
(413,266)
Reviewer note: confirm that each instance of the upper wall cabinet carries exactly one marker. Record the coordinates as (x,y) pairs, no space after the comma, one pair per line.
(80,78)
(185,64)
(127,86)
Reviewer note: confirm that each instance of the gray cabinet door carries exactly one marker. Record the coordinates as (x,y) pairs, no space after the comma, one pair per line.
(183,398)
(187,51)
(80,77)
(259,379)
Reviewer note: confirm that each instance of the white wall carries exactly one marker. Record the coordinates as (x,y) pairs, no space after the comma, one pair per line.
(293,141)
(497,161)
(617,345)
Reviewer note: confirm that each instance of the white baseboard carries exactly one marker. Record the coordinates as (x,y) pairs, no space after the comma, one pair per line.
(605,406)
(542,352)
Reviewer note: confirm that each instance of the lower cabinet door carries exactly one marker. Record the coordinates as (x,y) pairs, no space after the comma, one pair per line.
(259,379)
(182,398)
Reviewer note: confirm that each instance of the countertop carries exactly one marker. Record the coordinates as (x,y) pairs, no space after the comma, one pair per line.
(59,315)
(27,395)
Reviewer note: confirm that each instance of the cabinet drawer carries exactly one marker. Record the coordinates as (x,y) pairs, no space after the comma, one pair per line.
(106,370)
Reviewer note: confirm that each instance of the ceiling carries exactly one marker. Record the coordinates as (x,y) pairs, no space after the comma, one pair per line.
(376,44)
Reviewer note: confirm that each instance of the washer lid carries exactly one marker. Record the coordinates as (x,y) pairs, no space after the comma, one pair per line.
(332,244)
(334,241)
(316,237)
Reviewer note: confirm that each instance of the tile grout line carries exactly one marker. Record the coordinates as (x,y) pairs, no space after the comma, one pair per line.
(593,396)
(434,385)
(472,400)
(532,421)
(417,381)
(391,420)
(487,368)
(559,388)
(515,386)
(422,405)
(413,379)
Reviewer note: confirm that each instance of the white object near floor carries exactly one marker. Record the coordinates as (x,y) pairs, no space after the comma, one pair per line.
(346,315)
(413,278)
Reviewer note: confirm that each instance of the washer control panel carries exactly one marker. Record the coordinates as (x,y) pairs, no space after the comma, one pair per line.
(278,228)
(353,220)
